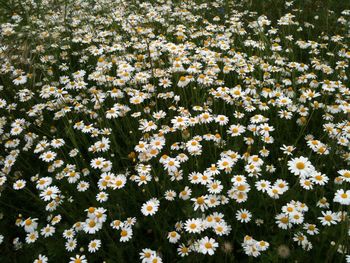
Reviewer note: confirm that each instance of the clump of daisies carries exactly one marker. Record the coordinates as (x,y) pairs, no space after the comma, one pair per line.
(174,130)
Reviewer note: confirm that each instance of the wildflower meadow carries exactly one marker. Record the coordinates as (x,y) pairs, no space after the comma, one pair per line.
(174,131)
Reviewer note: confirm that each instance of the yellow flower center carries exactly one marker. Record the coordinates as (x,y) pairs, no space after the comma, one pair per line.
(92,223)
(200,200)
(208,245)
(300,165)
(328,218)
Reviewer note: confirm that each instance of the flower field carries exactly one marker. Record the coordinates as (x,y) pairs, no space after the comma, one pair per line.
(174,131)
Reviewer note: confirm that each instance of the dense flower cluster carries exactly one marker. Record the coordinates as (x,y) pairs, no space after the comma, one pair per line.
(173,130)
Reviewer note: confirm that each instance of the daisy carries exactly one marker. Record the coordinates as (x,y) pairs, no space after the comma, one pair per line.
(342,197)
(73,176)
(150,207)
(200,202)
(173,237)
(323,203)
(205,117)
(270,168)
(265,129)
(103,145)
(147,126)
(251,249)
(78,259)
(300,166)
(91,226)
(102,197)
(254,159)
(179,226)
(125,234)
(319,178)
(48,156)
(300,238)
(73,153)
(243,215)
(68,233)
(215,187)
(213,201)
(338,180)
(155,259)
(97,163)
(20,80)
(16,130)
(221,120)
(50,193)
(185,194)
(328,218)
(32,237)
(306,184)
(171,164)
(238,196)
(100,215)
(236,130)
(41,259)
(238,180)
(130,221)
(57,143)
(170,195)
(146,255)
(78,226)
(252,169)
(209,221)
(19,184)
(244,187)
(262,245)
(141,147)
(193,147)
(3,103)
(142,179)
(195,177)
(225,164)
(283,221)
(274,192)
(182,157)
(207,245)
(157,143)
(57,163)
(289,208)
(117,224)
(56,219)
(193,226)
(165,82)
(47,231)
(221,229)
(119,181)
(83,186)
(345,174)
(263,185)
(183,250)
(180,122)
(205,179)
(311,229)
(30,224)
(296,217)
(183,81)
